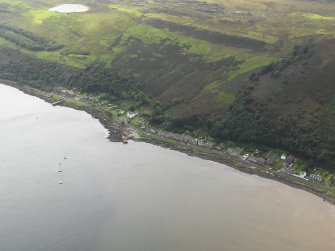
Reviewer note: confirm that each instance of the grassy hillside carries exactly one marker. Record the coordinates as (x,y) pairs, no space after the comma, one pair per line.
(187,63)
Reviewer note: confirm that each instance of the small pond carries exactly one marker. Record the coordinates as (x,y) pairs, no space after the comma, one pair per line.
(70,8)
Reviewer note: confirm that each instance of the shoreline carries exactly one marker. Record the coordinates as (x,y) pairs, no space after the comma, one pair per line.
(245,168)
(116,132)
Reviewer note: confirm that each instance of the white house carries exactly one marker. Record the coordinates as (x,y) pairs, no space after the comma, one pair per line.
(131,115)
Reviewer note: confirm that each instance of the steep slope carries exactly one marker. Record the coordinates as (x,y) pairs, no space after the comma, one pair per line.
(291,104)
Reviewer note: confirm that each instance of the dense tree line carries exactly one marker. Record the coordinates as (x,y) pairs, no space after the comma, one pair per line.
(251,122)
(16,66)
(275,68)
(96,78)
(27,39)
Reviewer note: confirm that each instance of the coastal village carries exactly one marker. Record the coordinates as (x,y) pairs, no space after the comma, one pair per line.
(284,163)
(133,125)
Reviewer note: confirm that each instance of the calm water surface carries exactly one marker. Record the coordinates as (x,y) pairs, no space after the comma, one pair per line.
(70,8)
(136,196)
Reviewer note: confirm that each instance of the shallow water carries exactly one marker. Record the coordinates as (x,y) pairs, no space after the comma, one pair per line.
(70,8)
(136,196)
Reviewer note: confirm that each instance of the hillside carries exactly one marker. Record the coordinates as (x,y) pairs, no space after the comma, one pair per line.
(254,71)
(290,104)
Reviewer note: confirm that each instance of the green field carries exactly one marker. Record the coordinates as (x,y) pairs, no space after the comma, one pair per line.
(94,32)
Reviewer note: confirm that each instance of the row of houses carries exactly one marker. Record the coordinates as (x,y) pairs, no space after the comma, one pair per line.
(315,178)
(287,165)
(270,161)
(72,94)
(187,139)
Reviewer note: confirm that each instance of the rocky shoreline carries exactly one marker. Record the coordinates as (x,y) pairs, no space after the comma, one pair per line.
(118,132)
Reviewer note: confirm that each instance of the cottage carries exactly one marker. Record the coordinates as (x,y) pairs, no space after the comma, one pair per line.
(205,143)
(221,147)
(288,161)
(245,157)
(209,145)
(68,93)
(88,98)
(234,152)
(131,115)
(201,142)
(163,134)
(190,140)
(153,131)
(256,160)
(177,137)
(57,90)
(315,178)
(302,175)
(271,161)
(193,142)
